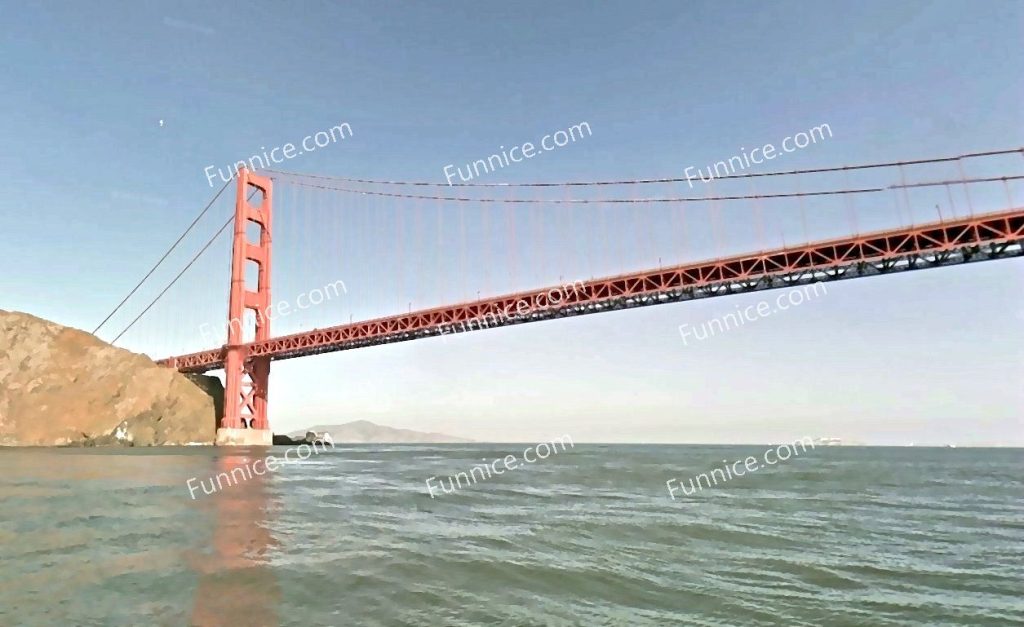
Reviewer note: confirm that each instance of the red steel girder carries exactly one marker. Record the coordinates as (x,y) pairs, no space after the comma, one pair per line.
(927,245)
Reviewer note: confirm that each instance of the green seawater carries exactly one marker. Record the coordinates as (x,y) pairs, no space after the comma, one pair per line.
(589,536)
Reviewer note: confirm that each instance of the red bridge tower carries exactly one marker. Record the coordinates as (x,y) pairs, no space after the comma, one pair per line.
(245,421)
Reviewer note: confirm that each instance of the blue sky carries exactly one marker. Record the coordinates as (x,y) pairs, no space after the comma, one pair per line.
(97,189)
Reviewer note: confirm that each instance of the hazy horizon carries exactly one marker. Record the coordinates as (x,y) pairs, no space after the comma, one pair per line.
(695,443)
(931,357)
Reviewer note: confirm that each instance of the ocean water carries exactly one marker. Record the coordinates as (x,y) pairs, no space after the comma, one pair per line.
(588,536)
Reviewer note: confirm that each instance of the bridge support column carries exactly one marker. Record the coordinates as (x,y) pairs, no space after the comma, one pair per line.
(245,421)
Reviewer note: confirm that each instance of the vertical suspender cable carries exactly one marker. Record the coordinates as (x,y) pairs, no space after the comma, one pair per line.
(851,206)
(967,191)
(906,195)
(510,221)
(758,216)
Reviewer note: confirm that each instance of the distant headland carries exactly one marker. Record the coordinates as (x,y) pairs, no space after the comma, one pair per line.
(366,432)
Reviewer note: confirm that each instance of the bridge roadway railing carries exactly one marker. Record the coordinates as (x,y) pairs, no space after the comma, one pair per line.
(977,238)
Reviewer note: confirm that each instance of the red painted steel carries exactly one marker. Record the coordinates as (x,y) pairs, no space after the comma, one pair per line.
(982,237)
(247,374)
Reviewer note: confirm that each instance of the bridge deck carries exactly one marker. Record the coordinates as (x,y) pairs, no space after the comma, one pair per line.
(978,238)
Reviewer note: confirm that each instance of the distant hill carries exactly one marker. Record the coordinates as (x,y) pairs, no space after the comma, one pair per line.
(364,431)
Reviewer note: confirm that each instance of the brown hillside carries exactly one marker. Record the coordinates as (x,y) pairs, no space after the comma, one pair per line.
(62,386)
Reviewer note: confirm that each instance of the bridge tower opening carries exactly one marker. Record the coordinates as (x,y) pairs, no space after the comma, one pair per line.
(245,421)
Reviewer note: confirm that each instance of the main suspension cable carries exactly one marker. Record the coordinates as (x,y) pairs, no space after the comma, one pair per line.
(175,280)
(866,166)
(164,257)
(183,270)
(583,201)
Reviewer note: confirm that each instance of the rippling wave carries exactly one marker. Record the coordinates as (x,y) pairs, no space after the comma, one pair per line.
(588,536)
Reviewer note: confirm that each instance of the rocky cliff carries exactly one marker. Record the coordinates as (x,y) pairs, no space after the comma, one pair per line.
(61,386)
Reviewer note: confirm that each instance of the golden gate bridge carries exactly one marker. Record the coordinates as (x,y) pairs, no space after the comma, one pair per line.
(414,237)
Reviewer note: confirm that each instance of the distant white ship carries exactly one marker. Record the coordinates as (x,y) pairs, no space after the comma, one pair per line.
(830,441)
